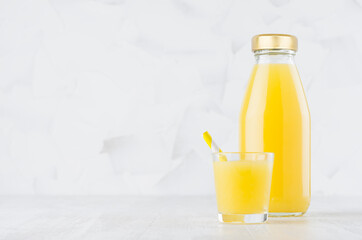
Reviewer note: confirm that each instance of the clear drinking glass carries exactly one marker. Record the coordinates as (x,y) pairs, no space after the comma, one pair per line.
(242,182)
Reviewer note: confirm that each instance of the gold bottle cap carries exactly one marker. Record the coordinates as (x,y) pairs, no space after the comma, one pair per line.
(274,42)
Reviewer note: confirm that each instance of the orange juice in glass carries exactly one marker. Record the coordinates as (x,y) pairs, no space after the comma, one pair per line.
(242,182)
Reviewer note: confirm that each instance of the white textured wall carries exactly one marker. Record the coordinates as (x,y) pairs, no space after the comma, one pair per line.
(112,97)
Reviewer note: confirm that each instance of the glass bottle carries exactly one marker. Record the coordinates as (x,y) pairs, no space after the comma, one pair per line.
(275,118)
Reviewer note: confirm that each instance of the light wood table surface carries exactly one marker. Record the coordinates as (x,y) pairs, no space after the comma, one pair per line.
(118,217)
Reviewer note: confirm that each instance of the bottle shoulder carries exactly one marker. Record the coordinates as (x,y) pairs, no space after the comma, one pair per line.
(275,83)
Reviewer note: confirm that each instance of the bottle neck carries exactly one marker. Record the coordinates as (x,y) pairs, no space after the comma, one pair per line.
(274,56)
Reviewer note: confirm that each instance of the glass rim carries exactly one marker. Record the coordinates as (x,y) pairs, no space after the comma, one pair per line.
(266,153)
(268,156)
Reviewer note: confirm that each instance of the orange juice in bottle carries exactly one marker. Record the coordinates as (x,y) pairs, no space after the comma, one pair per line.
(275,118)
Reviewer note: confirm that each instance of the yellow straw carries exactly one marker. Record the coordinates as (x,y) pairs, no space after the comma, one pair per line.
(212,145)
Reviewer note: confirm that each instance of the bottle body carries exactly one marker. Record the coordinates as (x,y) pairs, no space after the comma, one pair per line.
(275,118)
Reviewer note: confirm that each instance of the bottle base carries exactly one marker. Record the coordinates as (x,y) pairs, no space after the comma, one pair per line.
(286,214)
(243,218)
